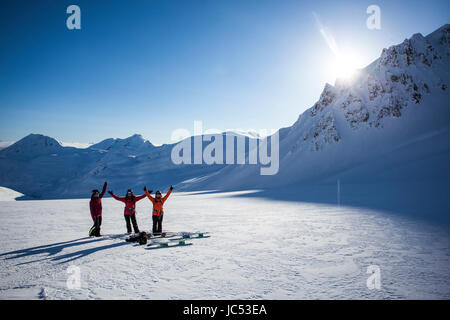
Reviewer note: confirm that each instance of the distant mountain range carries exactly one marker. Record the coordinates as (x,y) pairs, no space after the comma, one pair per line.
(391,122)
(42,167)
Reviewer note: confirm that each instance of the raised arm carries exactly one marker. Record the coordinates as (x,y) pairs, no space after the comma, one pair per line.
(137,198)
(167,194)
(116,197)
(103,190)
(149,196)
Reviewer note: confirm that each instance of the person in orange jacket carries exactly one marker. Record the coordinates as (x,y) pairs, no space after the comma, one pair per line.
(130,208)
(158,211)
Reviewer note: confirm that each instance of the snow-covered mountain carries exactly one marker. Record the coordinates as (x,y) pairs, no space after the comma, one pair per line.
(41,167)
(5,144)
(389,122)
(32,146)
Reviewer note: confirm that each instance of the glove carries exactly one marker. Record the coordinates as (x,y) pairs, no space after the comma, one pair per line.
(150,191)
(171,188)
(110,192)
(145,188)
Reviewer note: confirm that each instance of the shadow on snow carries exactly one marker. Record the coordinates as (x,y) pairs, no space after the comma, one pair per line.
(428,201)
(52,250)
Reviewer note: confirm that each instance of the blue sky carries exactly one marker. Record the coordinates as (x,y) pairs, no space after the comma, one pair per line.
(151,67)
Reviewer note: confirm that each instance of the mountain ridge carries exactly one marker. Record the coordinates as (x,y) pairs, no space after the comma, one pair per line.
(400,95)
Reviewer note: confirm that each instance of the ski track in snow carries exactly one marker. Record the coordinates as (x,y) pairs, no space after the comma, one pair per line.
(258,249)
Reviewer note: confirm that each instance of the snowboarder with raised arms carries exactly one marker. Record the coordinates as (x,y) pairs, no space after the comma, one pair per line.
(96,210)
(130,208)
(158,211)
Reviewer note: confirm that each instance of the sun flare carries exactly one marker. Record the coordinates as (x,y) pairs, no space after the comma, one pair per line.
(346,64)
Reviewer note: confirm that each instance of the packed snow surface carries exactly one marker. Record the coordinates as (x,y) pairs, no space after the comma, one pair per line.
(258,249)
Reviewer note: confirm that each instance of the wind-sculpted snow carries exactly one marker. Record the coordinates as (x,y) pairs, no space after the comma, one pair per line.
(8,194)
(258,249)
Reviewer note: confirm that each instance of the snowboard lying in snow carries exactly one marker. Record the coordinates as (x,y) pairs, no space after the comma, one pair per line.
(170,237)
(169,244)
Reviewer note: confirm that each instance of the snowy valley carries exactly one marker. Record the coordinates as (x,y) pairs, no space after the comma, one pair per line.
(258,249)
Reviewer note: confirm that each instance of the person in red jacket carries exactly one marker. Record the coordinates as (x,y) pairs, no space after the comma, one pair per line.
(158,211)
(96,210)
(130,208)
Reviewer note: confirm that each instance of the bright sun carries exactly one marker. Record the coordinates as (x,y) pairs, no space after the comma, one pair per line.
(346,64)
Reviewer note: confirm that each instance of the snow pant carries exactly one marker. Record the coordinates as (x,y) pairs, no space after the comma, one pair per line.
(131,219)
(157,223)
(96,227)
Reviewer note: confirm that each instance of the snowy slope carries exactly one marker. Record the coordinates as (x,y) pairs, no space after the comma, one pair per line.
(5,144)
(8,194)
(319,252)
(396,109)
(75,144)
